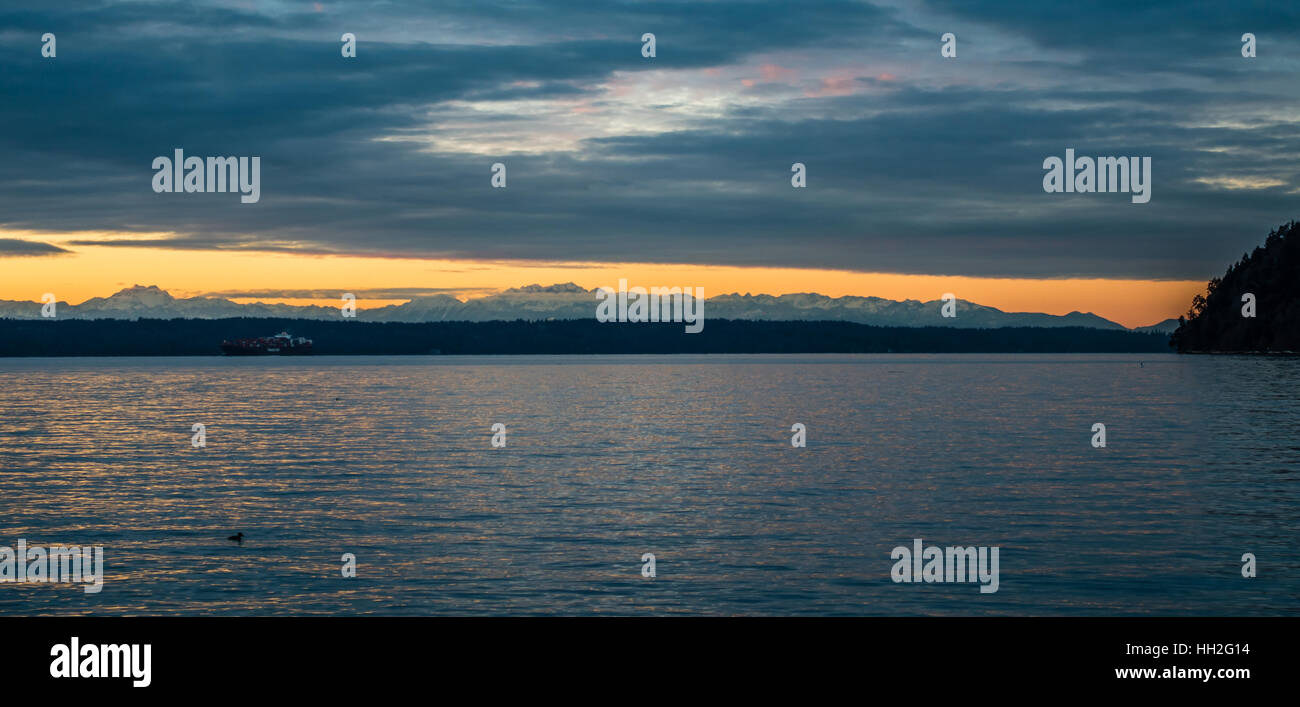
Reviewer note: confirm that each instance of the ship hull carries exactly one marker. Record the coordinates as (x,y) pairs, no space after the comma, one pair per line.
(256,348)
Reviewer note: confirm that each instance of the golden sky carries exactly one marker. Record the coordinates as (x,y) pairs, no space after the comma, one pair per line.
(97,271)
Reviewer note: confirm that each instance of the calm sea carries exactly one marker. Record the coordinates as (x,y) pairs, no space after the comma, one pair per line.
(685,457)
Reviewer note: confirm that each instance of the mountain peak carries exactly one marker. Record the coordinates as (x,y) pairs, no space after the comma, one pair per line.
(143,292)
(565,288)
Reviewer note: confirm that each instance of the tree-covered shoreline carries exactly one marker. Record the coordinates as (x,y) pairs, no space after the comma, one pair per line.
(202,337)
(1254,308)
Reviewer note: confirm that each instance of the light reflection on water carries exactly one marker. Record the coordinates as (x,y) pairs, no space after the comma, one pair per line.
(687,457)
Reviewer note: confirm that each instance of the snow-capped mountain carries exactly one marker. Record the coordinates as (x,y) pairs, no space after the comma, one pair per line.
(883,312)
(140,302)
(561,301)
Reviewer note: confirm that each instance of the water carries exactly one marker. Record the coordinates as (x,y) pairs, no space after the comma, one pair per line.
(687,457)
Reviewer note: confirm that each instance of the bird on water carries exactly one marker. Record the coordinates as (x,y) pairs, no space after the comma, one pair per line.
(237,537)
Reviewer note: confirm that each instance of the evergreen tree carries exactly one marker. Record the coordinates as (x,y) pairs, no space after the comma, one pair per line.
(1216,323)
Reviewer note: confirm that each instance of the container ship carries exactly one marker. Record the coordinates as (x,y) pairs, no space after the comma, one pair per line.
(281,344)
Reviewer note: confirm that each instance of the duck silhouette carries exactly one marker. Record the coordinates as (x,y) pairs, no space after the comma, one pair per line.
(237,537)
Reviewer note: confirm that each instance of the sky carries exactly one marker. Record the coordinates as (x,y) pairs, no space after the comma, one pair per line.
(924,173)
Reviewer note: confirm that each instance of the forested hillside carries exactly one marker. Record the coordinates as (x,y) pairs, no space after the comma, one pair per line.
(1218,321)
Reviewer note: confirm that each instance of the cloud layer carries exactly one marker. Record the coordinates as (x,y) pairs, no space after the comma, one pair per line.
(916,164)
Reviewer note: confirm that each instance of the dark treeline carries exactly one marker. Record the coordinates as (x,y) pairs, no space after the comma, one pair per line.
(202,337)
(1216,323)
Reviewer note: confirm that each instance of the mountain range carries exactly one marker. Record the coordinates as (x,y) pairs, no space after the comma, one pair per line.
(568,301)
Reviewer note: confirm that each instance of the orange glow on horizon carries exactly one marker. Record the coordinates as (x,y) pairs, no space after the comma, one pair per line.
(98,271)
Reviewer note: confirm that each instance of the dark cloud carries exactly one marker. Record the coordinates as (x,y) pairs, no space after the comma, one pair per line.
(1122,27)
(19,247)
(937,171)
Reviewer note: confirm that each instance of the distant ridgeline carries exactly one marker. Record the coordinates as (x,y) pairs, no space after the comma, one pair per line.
(202,337)
(1254,307)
